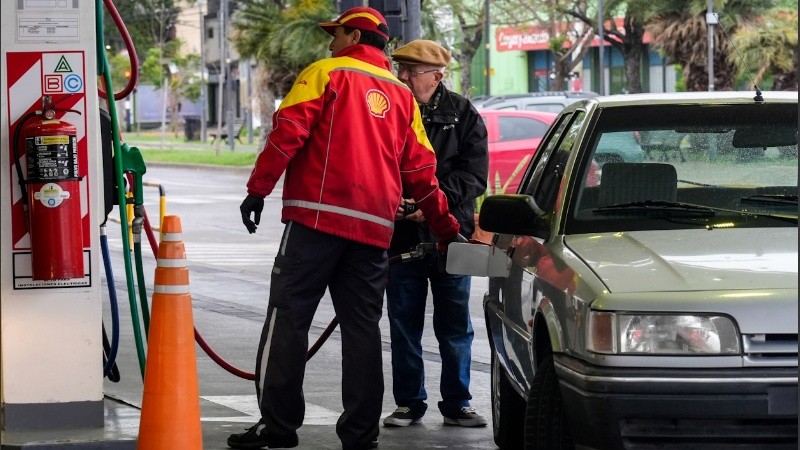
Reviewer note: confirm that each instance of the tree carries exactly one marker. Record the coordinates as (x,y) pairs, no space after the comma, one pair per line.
(463,34)
(181,73)
(282,38)
(149,22)
(770,46)
(629,42)
(568,41)
(679,30)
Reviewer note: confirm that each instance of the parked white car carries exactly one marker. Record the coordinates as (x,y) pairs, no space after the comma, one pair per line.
(657,308)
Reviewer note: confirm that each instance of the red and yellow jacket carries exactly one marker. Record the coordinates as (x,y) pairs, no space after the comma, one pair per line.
(350,138)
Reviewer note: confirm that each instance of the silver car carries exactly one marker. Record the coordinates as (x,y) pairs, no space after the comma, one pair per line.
(649,304)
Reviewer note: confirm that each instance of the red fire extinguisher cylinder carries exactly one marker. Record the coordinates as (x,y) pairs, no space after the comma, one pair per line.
(54,200)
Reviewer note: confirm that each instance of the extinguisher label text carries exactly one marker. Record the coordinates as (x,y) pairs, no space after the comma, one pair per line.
(49,140)
(52,158)
(51,195)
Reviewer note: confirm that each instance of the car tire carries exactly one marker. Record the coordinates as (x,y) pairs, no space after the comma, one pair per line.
(545,420)
(508,410)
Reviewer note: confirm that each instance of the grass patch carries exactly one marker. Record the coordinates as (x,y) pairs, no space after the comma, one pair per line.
(208,157)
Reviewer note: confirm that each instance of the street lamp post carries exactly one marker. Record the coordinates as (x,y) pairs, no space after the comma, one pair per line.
(488,50)
(711,20)
(203,70)
(601,48)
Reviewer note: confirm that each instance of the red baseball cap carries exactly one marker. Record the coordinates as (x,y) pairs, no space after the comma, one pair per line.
(361,17)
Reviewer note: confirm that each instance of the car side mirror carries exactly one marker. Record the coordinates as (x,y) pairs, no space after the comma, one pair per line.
(512,214)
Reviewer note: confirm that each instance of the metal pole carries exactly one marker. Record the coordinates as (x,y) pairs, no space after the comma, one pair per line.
(711,20)
(413,24)
(248,109)
(222,69)
(601,48)
(203,77)
(487,32)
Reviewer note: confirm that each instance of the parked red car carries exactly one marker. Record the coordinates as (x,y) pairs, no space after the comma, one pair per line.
(513,138)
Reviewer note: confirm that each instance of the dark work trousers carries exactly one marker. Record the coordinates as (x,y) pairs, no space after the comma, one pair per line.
(309,261)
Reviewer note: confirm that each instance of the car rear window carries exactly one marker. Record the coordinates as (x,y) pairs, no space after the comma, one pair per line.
(514,128)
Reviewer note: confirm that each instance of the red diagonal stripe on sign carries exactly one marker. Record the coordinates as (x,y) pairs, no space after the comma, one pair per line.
(22,62)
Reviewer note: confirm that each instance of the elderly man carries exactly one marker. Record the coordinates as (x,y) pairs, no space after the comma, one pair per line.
(458,136)
(349,138)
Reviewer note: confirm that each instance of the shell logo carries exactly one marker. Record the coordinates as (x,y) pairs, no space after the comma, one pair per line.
(378,103)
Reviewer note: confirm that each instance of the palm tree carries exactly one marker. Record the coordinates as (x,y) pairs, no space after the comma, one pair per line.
(282,39)
(679,30)
(770,46)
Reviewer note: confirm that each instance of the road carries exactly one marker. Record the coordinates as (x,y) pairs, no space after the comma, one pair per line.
(229,277)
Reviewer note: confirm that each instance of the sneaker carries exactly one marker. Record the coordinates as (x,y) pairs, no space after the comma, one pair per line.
(465,417)
(257,436)
(403,416)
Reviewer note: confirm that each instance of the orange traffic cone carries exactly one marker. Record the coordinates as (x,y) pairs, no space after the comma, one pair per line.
(171,402)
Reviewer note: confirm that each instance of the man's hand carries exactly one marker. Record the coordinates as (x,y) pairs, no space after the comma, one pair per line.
(251,204)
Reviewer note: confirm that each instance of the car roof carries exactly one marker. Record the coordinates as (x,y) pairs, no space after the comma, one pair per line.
(541,115)
(545,96)
(699,97)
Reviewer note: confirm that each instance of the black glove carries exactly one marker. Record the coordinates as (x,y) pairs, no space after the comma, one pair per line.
(441,247)
(251,204)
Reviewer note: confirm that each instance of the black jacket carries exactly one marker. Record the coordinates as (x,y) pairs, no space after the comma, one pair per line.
(459,139)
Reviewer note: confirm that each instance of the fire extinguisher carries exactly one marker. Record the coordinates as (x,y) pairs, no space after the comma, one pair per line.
(53,197)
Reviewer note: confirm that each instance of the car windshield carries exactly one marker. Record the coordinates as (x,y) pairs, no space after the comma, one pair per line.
(685,166)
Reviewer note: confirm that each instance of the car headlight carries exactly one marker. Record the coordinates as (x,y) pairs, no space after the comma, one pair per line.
(661,334)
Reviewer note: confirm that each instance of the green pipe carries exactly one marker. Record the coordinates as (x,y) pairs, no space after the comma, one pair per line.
(112,110)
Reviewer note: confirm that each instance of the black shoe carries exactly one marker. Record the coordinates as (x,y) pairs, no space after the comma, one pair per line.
(373,444)
(404,416)
(257,436)
(464,417)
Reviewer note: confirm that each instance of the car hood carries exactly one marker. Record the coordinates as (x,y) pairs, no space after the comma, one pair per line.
(691,260)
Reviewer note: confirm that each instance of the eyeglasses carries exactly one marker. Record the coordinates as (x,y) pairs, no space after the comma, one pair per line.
(411,71)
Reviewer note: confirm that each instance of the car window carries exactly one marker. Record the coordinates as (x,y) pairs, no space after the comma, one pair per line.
(507,108)
(534,172)
(546,189)
(694,167)
(546,107)
(515,128)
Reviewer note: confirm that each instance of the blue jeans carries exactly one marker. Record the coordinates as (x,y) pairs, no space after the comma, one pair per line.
(406,295)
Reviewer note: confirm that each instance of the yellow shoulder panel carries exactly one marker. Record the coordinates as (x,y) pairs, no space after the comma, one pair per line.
(419,129)
(309,85)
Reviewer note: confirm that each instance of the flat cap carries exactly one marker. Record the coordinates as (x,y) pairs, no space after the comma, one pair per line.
(361,17)
(422,51)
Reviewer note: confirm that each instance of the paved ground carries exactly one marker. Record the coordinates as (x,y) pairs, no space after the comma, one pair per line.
(228,276)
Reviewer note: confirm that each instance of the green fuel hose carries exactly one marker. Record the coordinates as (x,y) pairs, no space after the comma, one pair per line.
(105,71)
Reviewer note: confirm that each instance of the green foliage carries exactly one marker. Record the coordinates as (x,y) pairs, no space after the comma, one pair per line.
(209,157)
(149,22)
(767,47)
(283,39)
(119,65)
(185,83)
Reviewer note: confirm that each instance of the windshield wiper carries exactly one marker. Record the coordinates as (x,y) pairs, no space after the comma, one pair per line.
(764,199)
(657,208)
